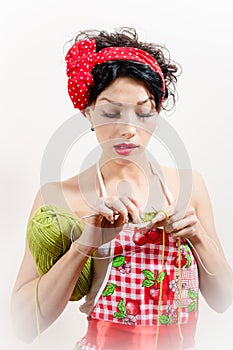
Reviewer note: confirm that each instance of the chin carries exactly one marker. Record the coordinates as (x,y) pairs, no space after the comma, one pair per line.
(122,161)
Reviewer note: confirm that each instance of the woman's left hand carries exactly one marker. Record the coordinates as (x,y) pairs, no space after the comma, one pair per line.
(183,224)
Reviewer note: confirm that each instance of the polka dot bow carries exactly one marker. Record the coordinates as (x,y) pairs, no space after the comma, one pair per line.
(81,59)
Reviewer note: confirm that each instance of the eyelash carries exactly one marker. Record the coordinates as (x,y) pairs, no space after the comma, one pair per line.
(110,115)
(140,115)
(145,115)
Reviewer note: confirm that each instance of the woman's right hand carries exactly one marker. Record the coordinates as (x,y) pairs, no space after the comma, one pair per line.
(111,215)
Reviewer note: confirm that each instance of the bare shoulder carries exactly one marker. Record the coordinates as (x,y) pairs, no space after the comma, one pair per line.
(65,194)
(200,191)
(190,178)
(75,184)
(77,189)
(175,171)
(46,194)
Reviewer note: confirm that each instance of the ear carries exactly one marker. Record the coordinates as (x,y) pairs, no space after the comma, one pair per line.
(87,112)
(83,113)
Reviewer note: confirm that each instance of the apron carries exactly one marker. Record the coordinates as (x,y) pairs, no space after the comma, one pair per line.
(150,298)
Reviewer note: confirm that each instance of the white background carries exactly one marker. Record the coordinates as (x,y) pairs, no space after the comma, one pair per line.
(35,103)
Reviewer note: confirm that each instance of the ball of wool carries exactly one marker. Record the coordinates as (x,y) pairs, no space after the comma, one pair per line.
(48,236)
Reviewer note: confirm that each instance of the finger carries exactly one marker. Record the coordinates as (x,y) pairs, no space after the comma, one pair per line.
(183,212)
(187,232)
(157,221)
(105,210)
(117,223)
(189,212)
(135,202)
(118,207)
(180,214)
(132,209)
(175,223)
(179,225)
(171,208)
(160,216)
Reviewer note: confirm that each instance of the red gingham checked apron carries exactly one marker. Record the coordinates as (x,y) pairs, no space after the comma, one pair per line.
(126,314)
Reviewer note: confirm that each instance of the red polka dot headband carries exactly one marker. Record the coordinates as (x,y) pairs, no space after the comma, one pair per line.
(81,59)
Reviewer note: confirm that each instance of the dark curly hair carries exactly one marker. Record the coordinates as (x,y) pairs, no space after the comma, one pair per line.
(105,73)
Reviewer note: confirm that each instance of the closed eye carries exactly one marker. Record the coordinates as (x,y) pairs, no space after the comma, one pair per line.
(146,115)
(111,115)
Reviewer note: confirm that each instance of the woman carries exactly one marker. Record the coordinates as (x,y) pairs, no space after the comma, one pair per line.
(147,269)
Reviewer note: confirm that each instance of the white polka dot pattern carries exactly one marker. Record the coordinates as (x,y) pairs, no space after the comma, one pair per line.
(81,59)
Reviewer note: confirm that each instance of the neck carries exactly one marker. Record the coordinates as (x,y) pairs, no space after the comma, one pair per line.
(125,169)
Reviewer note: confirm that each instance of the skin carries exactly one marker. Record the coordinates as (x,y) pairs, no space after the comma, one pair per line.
(83,195)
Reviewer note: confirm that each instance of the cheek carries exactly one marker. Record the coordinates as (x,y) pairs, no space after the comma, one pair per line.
(145,132)
(147,125)
(104,132)
(145,137)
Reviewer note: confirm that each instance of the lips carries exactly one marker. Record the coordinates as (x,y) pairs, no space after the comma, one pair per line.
(124,149)
(125,145)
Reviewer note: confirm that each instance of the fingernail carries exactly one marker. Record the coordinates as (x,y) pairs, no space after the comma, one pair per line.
(138,220)
(161,216)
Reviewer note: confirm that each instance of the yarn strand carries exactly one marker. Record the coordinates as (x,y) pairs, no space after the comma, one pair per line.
(160,293)
(180,294)
(37,313)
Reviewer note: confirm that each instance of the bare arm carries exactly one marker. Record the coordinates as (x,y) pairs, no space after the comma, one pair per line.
(57,285)
(217,289)
(55,288)
(197,225)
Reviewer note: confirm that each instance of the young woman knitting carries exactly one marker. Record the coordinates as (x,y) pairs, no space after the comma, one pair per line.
(137,251)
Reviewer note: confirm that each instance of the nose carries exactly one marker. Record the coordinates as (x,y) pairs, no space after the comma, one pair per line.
(128,127)
(127,130)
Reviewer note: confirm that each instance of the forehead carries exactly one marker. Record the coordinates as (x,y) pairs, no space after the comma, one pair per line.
(124,91)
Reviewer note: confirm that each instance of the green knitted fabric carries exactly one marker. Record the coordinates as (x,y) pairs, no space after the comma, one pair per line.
(48,234)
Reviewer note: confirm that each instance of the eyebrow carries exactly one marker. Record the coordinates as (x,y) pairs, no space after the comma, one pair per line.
(121,104)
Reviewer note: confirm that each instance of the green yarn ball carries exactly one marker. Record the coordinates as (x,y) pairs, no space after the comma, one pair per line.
(48,235)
